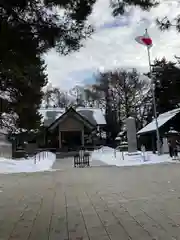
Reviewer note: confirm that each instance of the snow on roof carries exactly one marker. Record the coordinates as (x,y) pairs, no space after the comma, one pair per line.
(97,114)
(57,111)
(118,138)
(162,119)
(172,131)
(94,115)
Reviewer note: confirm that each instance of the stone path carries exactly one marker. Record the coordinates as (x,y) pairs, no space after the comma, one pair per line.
(130,203)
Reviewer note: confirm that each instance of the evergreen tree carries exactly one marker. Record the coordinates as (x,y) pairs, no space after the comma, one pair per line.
(166,24)
(25,90)
(167,85)
(119,7)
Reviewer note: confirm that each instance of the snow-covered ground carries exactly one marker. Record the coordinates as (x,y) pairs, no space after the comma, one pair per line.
(45,160)
(110,157)
(41,162)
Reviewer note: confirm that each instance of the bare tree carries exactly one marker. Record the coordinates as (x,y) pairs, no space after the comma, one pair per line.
(59,98)
(122,94)
(54,96)
(47,98)
(131,92)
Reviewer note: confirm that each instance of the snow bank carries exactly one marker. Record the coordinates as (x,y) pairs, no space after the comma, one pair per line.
(111,157)
(40,162)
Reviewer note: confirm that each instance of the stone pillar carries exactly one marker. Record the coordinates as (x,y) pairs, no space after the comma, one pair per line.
(131,134)
(60,140)
(165,146)
(82,137)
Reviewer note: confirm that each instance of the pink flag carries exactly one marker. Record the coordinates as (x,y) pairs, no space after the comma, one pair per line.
(144,40)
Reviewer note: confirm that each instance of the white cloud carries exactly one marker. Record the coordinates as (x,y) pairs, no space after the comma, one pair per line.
(115,46)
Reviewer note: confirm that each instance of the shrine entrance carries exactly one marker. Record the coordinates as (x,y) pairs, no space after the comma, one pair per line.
(71,139)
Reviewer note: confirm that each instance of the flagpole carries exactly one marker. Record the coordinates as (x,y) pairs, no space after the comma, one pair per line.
(154,101)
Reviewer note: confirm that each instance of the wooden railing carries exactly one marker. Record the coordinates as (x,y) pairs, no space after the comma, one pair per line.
(40,155)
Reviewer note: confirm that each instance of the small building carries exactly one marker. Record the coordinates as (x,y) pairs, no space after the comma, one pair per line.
(69,129)
(147,135)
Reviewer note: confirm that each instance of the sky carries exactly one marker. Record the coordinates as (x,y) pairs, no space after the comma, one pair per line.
(112,45)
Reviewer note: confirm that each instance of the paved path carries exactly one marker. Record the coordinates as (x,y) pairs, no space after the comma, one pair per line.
(131,203)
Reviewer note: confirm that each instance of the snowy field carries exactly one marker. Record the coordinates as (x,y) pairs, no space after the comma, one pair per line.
(111,157)
(41,162)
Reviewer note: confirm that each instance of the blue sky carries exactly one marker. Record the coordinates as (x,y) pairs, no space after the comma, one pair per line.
(116,23)
(112,45)
(86,74)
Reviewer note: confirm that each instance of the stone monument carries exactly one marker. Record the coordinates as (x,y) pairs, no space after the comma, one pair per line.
(131,135)
(5,145)
(165,145)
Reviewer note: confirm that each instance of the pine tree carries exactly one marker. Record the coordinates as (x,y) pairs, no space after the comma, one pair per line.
(167,85)
(25,89)
(119,7)
(166,24)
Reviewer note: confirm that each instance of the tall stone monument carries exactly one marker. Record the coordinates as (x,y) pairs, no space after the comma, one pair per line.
(131,135)
(165,146)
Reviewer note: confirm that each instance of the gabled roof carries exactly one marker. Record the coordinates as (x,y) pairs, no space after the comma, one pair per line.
(162,119)
(75,114)
(93,115)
